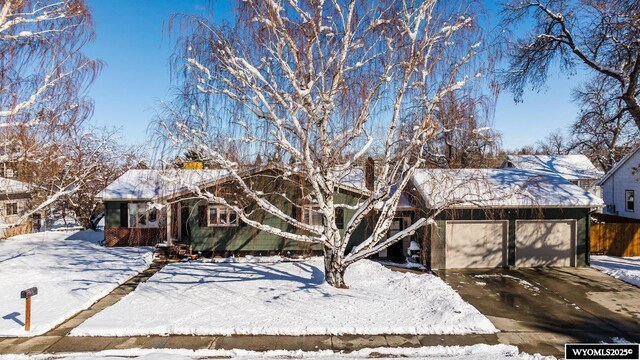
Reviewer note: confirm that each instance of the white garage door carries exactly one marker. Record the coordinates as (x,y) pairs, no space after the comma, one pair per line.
(476,244)
(545,243)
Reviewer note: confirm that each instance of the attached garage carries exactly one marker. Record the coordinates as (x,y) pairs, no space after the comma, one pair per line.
(476,244)
(545,243)
(487,218)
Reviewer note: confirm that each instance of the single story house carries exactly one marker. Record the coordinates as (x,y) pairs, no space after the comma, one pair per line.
(147,207)
(14,201)
(620,186)
(576,168)
(486,217)
(503,217)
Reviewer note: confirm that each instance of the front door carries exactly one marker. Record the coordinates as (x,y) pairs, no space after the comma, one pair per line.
(397,250)
(185,228)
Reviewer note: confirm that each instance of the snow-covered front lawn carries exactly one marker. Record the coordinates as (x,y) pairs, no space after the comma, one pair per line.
(475,352)
(286,298)
(70,270)
(626,269)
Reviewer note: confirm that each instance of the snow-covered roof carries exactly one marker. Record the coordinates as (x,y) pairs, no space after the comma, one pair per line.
(11,186)
(618,165)
(353,179)
(501,188)
(571,167)
(146,185)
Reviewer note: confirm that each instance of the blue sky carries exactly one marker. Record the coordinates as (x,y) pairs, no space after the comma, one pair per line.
(132,42)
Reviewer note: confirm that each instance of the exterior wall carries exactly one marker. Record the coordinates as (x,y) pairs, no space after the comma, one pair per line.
(246,239)
(10,219)
(436,248)
(241,239)
(614,189)
(131,237)
(117,232)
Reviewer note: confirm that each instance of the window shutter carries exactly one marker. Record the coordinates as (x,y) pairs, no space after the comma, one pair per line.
(340,218)
(294,212)
(202,216)
(124,215)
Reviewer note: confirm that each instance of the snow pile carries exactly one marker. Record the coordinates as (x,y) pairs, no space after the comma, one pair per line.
(475,352)
(70,271)
(626,269)
(287,298)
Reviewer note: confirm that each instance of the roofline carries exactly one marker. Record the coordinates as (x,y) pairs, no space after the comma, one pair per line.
(618,165)
(224,178)
(464,207)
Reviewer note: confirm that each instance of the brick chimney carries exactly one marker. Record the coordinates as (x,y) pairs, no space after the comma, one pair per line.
(369,173)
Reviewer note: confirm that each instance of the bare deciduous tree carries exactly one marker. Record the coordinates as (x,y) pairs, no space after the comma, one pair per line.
(72,173)
(320,86)
(601,35)
(466,139)
(604,130)
(43,77)
(556,143)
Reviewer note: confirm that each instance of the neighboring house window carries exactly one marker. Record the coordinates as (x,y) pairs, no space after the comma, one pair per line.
(340,218)
(12,209)
(142,215)
(311,215)
(221,216)
(629,197)
(9,173)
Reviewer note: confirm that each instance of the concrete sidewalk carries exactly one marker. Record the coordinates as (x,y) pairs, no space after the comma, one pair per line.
(529,342)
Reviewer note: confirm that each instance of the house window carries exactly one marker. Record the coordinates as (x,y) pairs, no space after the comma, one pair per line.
(222,216)
(311,215)
(629,200)
(12,209)
(9,173)
(340,218)
(142,215)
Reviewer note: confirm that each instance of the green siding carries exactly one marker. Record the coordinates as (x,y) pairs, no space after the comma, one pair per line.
(244,238)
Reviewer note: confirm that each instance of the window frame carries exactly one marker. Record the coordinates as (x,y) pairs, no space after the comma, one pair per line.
(627,202)
(14,208)
(308,212)
(229,213)
(137,211)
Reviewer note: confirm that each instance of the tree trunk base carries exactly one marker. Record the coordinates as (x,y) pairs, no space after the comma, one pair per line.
(334,271)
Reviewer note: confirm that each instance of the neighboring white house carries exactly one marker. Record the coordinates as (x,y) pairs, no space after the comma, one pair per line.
(14,200)
(576,168)
(621,185)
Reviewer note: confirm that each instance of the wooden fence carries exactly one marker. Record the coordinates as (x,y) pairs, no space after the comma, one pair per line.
(616,239)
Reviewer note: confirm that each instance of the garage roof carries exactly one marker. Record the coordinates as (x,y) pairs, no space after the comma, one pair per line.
(501,188)
(570,167)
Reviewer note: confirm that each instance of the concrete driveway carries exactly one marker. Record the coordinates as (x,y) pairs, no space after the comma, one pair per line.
(548,307)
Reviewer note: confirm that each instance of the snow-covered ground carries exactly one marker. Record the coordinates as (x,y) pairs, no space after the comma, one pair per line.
(475,352)
(70,271)
(626,269)
(286,298)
